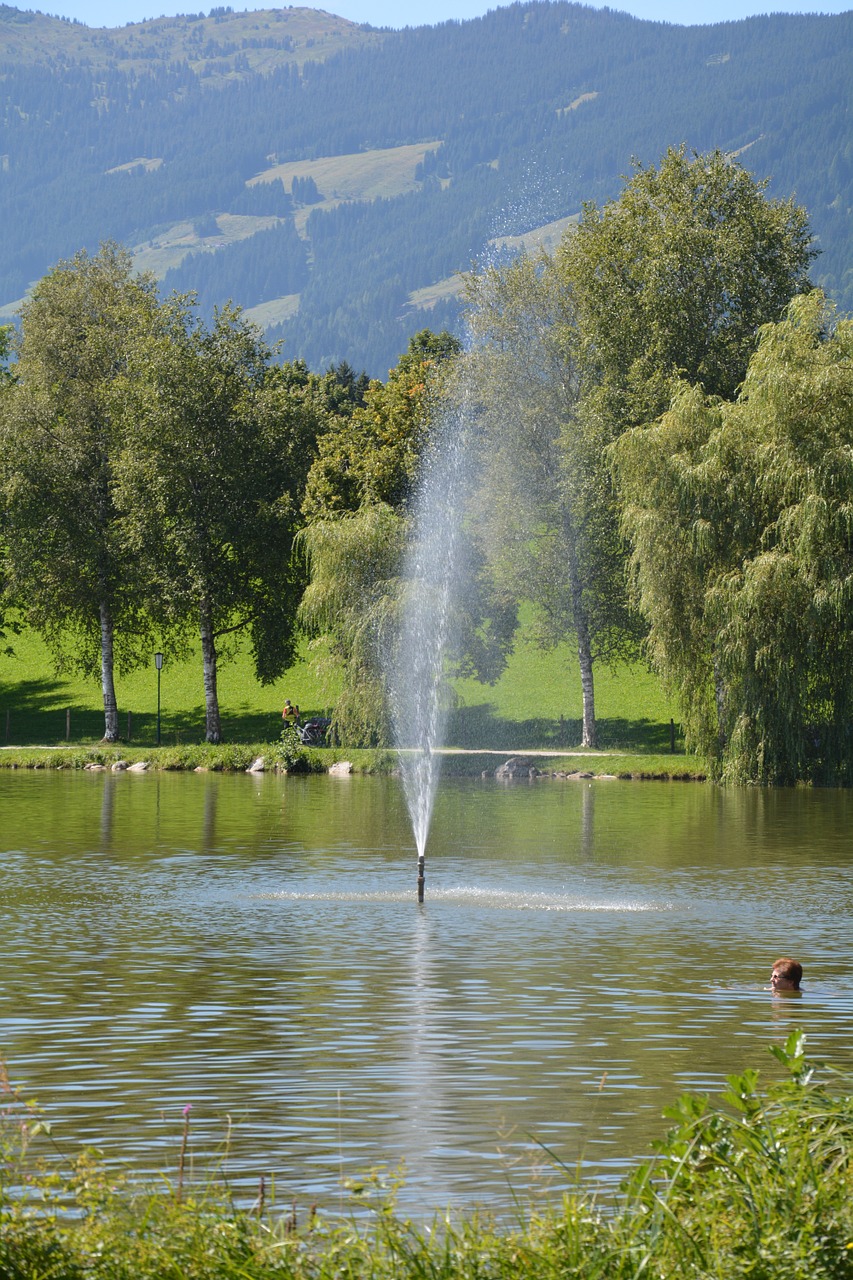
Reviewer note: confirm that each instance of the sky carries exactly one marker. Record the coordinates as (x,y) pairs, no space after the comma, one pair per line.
(402,13)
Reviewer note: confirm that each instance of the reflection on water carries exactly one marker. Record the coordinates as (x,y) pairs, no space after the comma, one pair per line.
(251,945)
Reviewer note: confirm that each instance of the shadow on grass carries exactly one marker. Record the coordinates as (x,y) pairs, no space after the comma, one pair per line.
(31,709)
(35,712)
(479,726)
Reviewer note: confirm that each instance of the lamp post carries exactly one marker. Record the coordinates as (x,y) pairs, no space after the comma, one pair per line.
(158,663)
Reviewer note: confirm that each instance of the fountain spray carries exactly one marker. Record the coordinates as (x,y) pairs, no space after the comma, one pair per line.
(418,696)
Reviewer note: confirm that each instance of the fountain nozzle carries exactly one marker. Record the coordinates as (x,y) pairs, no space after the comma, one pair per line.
(421,878)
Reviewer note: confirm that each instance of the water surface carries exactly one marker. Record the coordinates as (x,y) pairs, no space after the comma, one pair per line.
(253,946)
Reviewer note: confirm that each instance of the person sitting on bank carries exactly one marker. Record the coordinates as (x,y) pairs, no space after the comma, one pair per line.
(290,714)
(786,975)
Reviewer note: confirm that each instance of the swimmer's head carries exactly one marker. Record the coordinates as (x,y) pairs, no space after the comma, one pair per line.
(786,975)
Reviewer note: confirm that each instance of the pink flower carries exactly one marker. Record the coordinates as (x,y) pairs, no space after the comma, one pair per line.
(187,1109)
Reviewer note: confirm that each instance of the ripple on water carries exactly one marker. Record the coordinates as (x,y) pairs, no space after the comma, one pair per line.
(472,895)
(581,958)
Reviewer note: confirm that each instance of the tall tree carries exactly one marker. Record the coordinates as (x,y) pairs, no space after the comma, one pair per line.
(6,334)
(218,446)
(741,515)
(371,454)
(66,560)
(352,601)
(675,277)
(358,502)
(355,502)
(547,516)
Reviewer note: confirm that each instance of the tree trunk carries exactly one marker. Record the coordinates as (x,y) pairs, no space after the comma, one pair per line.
(581,622)
(107,681)
(213,726)
(720,701)
(587,687)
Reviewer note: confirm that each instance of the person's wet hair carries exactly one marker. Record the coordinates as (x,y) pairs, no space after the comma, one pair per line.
(788,970)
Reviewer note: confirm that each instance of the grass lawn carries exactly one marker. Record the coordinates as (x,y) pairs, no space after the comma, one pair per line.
(535,704)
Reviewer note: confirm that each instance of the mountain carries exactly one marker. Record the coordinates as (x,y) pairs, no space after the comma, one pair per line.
(333,178)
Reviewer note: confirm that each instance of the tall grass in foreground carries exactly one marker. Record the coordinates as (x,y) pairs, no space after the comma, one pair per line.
(759,1186)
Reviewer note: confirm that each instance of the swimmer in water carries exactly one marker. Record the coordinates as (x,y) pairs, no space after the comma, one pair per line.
(786,975)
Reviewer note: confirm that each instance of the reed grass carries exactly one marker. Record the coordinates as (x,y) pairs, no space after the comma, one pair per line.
(758,1184)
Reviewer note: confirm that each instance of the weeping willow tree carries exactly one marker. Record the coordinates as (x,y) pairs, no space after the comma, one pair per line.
(351,607)
(741,519)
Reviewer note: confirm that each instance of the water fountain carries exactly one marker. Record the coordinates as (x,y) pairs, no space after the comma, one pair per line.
(418,696)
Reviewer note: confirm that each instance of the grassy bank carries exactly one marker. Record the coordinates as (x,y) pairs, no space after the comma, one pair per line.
(238,757)
(758,1184)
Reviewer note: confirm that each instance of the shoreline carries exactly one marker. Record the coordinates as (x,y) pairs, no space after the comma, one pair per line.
(264,757)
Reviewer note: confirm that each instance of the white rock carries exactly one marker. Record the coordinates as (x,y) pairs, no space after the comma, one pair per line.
(139,767)
(341,769)
(257,766)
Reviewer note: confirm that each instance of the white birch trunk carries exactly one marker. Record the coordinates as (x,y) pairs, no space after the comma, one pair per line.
(107,680)
(213,724)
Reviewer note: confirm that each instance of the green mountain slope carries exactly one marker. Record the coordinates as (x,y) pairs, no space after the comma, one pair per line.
(334,178)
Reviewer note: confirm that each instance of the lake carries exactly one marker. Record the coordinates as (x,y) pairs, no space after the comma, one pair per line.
(252,945)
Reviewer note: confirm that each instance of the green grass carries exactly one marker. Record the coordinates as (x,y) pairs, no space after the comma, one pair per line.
(538,688)
(36,700)
(757,1184)
(536,705)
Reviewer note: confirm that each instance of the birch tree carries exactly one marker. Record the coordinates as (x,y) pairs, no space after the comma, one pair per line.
(547,516)
(674,278)
(67,564)
(217,448)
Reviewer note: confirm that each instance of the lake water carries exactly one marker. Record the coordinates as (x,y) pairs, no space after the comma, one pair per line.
(252,945)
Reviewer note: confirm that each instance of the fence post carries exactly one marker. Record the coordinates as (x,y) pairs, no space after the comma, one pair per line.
(68,724)
(672,737)
(8,716)
(129,725)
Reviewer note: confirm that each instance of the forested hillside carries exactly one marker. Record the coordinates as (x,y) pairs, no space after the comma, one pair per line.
(327,176)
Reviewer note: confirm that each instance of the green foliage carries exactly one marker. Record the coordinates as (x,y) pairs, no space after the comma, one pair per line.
(358,492)
(674,278)
(759,1185)
(546,513)
(740,516)
(372,454)
(6,333)
(288,753)
(217,448)
(352,602)
(67,564)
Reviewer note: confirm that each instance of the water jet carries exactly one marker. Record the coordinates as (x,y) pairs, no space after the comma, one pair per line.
(418,695)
